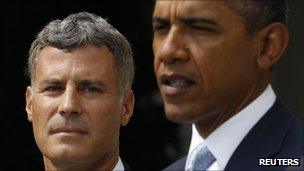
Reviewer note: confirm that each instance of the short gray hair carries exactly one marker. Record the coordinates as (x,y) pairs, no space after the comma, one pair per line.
(81,30)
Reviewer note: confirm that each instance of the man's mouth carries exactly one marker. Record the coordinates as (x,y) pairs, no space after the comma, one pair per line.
(69,131)
(175,84)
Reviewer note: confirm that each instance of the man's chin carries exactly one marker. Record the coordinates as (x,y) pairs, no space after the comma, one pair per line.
(66,153)
(178,114)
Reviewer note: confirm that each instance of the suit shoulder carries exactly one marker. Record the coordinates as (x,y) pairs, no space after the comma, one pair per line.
(293,145)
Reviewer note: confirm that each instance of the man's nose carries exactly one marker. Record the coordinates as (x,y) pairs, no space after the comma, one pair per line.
(70,102)
(173,48)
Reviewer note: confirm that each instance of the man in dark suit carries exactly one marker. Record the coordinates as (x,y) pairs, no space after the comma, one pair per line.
(81,71)
(213,62)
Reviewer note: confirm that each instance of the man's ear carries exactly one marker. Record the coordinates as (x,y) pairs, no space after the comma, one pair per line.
(274,38)
(128,107)
(29,102)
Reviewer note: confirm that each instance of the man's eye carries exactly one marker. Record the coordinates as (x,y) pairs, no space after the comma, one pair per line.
(160,27)
(53,88)
(157,27)
(203,29)
(92,90)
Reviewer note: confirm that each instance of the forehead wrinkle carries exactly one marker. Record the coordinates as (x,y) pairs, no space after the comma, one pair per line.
(60,73)
(177,11)
(173,11)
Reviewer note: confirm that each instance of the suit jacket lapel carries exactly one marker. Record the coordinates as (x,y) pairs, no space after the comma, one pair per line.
(178,165)
(126,166)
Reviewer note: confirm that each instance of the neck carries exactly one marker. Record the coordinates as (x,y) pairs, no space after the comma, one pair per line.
(105,163)
(207,126)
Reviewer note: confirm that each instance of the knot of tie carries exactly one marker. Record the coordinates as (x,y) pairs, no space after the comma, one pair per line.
(200,159)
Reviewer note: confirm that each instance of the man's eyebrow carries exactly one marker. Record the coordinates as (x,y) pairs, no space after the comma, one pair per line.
(88,82)
(188,21)
(50,81)
(198,20)
(160,20)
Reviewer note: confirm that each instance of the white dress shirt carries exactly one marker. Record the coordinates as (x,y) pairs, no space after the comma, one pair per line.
(224,140)
(119,166)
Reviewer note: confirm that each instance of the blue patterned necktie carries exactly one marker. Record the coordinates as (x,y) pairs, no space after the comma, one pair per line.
(200,159)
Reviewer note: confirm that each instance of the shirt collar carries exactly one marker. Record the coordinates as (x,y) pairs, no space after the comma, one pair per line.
(223,141)
(119,166)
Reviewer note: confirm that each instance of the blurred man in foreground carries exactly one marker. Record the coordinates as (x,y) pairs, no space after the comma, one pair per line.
(213,62)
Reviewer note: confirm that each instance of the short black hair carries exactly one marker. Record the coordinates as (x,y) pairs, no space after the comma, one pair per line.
(260,13)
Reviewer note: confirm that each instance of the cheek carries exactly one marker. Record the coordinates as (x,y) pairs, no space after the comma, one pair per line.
(105,117)
(241,64)
(224,67)
(156,62)
(207,64)
(43,109)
